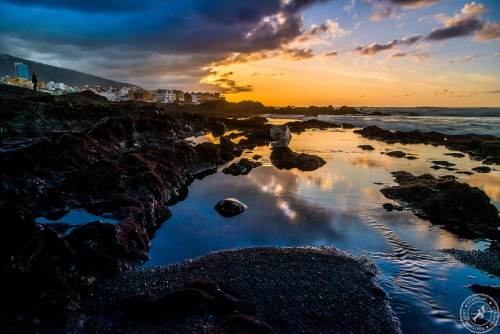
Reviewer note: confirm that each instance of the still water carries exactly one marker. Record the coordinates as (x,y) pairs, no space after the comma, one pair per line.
(338,205)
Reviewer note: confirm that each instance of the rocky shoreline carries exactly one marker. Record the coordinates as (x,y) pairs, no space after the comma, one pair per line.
(482,147)
(255,290)
(123,164)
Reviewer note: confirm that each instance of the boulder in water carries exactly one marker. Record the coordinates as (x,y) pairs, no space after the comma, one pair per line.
(242,167)
(280,135)
(230,207)
(285,158)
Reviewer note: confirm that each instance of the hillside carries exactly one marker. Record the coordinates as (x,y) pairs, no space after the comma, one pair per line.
(54,73)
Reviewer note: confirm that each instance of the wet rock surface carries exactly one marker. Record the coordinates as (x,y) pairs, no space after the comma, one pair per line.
(280,135)
(242,167)
(455,155)
(490,290)
(230,207)
(487,260)
(482,169)
(396,154)
(366,147)
(445,201)
(127,161)
(260,290)
(285,158)
(391,207)
(301,126)
(483,147)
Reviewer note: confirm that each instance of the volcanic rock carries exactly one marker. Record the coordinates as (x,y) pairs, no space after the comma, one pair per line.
(285,158)
(230,207)
(242,167)
(444,201)
(281,136)
(366,147)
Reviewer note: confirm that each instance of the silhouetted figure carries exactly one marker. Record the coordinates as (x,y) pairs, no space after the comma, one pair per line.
(34,80)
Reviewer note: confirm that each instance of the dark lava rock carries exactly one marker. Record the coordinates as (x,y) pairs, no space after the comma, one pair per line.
(378,113)
(366,147)
(345,110)
(465,172)
(444,201)
(285,158)
(194,298)
(411,157)
(455,155)
(443,163)
(281,136)
(484,147)
(228,149)
(260,290)
(301,126)
(347,126)
(257,157)
(39,275)
(242,167)
(230,207)
(218,129)
(482,169)
(391,207)
(490,290)
(396,154)
(241,323)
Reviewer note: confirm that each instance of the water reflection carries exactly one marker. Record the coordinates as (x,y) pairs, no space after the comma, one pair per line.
(337,205)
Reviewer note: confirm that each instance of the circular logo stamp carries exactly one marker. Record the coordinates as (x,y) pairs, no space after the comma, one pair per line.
(479,313)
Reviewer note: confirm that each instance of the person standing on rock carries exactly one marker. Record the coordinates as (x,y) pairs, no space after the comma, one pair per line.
(34,80)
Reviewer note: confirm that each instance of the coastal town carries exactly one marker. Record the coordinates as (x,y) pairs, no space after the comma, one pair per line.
(22,78)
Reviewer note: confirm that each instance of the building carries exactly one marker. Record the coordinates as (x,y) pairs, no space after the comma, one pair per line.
(59,85)
(22,70)
(179,96)
(17,81)
(207,97)
(194,98)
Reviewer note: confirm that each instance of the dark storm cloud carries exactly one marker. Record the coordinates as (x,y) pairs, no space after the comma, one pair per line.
(87,6)
(167,37)
(461,29)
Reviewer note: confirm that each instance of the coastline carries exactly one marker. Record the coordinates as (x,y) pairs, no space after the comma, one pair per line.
(306,290)
(76,160)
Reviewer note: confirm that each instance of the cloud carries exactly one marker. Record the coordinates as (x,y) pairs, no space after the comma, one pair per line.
(385,9)
(331,54)
(222,83)
(374,48)
(470,11)
(298,53)
(467,23)
(414,4)
(415,56)
(330,27)
(468,58)
(447,92)
(489,31)
(398,55)
(158,36)
(88,6)
(460,29)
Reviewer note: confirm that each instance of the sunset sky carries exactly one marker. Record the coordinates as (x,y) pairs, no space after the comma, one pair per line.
(280,52)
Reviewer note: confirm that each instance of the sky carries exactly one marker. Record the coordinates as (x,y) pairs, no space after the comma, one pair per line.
(279,52)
